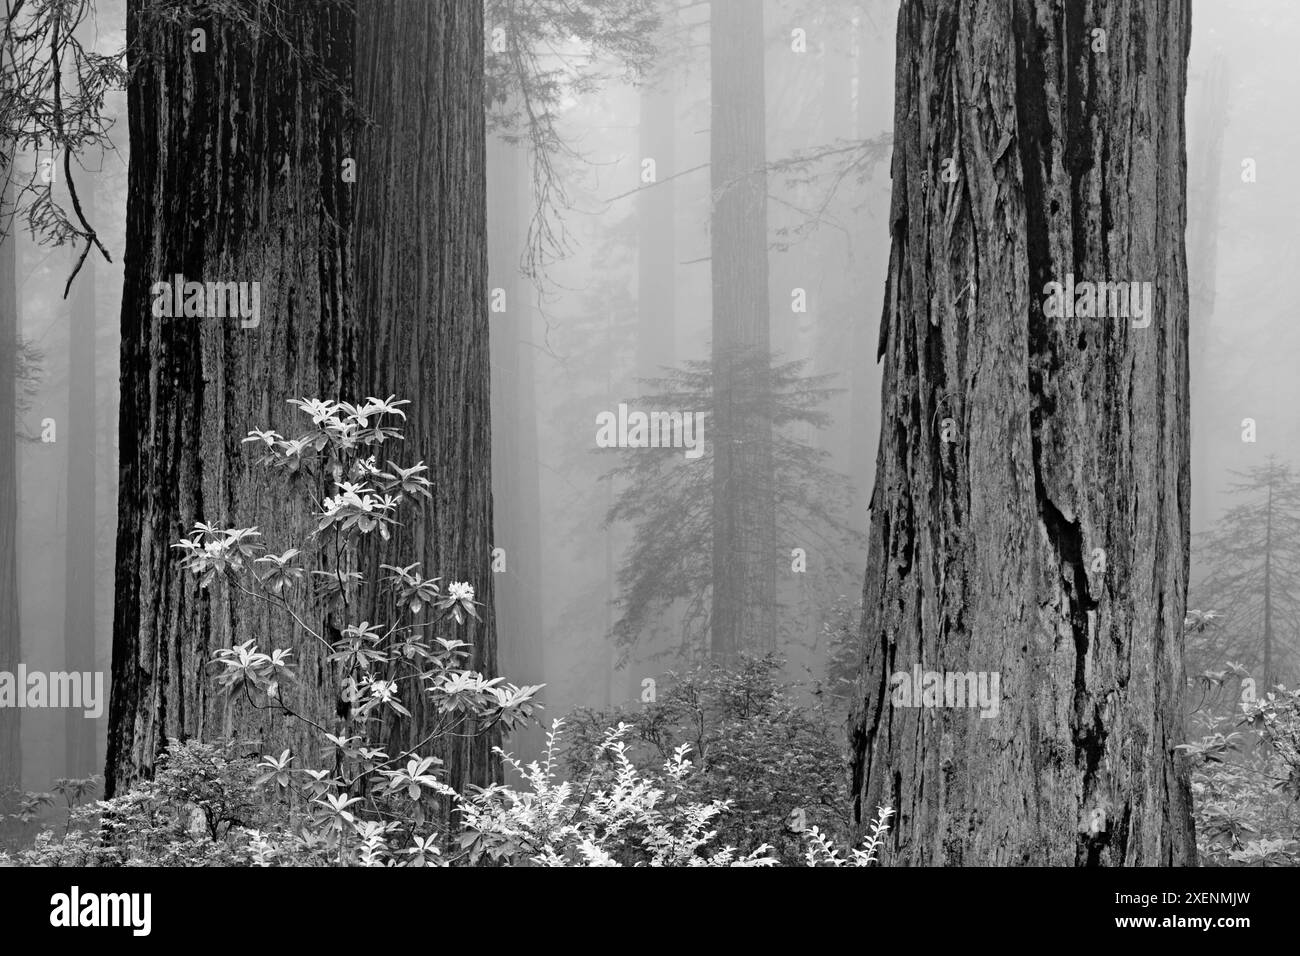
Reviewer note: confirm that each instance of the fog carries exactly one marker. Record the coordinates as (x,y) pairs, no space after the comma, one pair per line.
(611,288)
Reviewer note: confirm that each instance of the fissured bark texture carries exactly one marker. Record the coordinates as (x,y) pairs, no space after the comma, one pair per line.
(1030,510)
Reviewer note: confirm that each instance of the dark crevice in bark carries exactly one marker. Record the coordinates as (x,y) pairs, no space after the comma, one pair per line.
(1078,155)
(864,736)
(1090,749)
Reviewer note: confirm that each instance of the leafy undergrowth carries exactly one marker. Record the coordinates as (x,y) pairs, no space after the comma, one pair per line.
(1246,783)
(207,806)
(777,761)
(346,801)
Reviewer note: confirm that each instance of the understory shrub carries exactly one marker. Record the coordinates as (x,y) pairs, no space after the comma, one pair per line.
(1246,781)
(778,762)
(345,801)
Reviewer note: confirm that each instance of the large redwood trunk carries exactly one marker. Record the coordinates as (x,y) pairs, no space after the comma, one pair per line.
(1030,511)
(421,300)
(238,174)
(236,156)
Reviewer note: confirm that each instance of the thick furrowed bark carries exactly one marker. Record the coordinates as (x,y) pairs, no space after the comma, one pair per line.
(421,253)
(1048,540)
(235,176)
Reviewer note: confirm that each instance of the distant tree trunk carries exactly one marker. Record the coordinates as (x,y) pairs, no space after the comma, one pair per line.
(516,494)
(744,510)
(107,400)
(863,396)
(1047,541)
(11,755)
(1202,261)
(236,155)
(609,597)
(609,567)
(656,346)
(80,532)
(656,215)
(862,101)
(838,119)
(1268,587)
(835,331)
(421,299)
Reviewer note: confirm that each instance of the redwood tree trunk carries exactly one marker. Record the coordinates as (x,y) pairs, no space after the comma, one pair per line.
(421,299)
(1048,539)
(236,155)
(744,510)
(237,175)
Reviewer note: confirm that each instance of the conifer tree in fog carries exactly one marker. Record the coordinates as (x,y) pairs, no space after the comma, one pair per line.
(1030,514)
(666,561)
(1251,579)
(761,480)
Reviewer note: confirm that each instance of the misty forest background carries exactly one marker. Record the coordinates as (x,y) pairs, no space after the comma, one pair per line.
(633,256)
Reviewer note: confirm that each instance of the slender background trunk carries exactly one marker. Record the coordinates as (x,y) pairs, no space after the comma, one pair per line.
(516,492)
(11,763)
(656,217)
(1202,264)
(744,511)
(80,529)
(1268,588)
